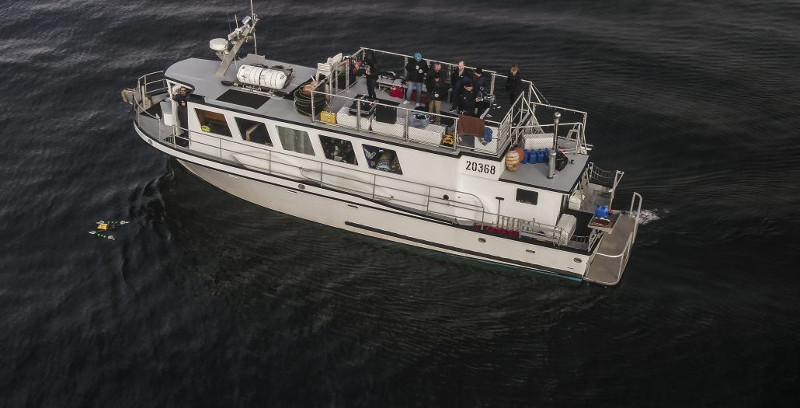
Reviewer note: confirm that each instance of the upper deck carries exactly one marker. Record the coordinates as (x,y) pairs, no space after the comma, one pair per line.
(524,123)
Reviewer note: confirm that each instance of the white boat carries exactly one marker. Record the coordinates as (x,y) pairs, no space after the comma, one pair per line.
(304,141)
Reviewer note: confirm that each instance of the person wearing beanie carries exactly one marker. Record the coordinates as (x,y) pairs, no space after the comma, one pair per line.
(416,70)
(437,92)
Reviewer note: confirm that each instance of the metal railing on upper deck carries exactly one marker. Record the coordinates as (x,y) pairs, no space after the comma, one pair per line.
(411,125)
(524,116)
(449,68)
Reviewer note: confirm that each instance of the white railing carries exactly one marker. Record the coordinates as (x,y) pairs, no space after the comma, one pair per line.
(459,207)
(431,132)
(624,254)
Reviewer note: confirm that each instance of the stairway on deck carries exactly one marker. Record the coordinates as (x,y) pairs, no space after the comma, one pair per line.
(606,270)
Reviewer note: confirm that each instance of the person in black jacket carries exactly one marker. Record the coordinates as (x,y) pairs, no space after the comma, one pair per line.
(437,92)
(481,87)
(416,70)
(467,99)
(182,98)
(460,75)
(371,73)
(513,83)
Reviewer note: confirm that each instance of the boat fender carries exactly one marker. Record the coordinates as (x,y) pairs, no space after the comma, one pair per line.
(487,134)
(512,160)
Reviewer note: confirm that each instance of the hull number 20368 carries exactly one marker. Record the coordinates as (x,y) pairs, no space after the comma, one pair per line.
(481,167)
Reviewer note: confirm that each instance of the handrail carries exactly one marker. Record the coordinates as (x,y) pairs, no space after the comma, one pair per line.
(450,66)
(638,211)
(481,218)
(335,100)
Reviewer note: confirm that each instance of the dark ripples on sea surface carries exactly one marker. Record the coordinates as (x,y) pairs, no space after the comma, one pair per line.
(206,300)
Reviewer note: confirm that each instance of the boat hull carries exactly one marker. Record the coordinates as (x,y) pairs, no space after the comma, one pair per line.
(375,219)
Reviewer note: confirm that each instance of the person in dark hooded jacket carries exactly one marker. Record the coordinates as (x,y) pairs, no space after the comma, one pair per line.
(513,83)
(416,70)
(467,99)
(371,73)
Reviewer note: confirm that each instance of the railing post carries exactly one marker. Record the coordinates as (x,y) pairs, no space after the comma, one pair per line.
(313,114)
(455,134)
(358,114)
(405,125)
(428,199)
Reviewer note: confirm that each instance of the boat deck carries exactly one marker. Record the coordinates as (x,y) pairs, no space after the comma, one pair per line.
(612,254)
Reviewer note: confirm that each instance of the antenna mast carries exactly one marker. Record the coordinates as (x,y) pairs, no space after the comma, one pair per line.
(253,16)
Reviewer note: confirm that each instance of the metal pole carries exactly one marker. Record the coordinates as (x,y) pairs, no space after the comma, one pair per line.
(253,17)
(551,161)
(499,200)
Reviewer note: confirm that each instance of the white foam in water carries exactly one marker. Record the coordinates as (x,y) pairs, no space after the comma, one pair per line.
(648,216)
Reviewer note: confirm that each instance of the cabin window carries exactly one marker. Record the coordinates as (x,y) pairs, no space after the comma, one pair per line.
(295,140)
(527,196)
(252,131)
(338,149)
(382,159)
(213,122)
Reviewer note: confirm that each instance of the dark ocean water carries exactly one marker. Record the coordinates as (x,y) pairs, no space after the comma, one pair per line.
(207,300)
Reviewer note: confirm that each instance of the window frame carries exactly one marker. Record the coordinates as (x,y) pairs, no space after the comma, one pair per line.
(333,140)
(243,130)
(527,200)
(295,132)
(205,116)
(376,160)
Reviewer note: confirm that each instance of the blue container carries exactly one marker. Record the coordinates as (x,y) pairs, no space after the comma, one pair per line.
(540,157)
(601,211)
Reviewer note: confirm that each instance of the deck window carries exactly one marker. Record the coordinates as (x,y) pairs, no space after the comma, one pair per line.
(213,122)
(295,140)
(382,159)
(527,196)
(252,131)
(338,149)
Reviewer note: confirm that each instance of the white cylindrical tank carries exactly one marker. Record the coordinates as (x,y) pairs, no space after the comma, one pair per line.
(258,76)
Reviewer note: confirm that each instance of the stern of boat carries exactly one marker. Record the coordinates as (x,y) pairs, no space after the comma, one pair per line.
(611,255)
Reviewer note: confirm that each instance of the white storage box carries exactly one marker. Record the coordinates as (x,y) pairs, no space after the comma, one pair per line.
(538,141)
(344,118)
(566,226)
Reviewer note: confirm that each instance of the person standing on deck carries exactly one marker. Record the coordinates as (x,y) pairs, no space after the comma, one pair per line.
(436,72)
(467,99)
(481,88)
(513,83)
(371,73)
(182,99)
(437,92)
(460,75)
(416,70)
